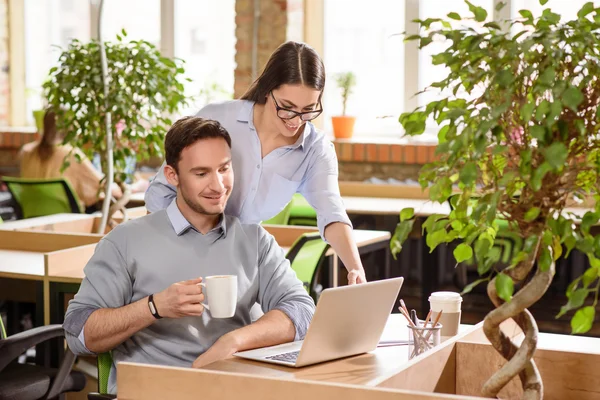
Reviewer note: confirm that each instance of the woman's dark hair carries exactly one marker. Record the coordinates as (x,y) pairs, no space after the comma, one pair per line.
(187,131)
(50,136)
(293,63)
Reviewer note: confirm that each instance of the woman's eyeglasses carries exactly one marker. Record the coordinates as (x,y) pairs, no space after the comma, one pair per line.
(286,114)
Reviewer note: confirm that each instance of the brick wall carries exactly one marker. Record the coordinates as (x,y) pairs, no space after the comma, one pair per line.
(11,141)
(279,21)
(4,77)
(359,161)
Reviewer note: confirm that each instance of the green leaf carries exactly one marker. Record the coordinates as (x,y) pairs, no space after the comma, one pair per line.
(472,285)
(538,132)
(582,320)
(455,16)
(500,6)
(589,219)
(538,175)
(575,301)
(543,2)
(532,214)
(479,12)
(435,238)
(505,287)
(557,249)
(463,252)
(556,155)
(505,78)
(530,243)
(441,190)
(401,233)
(493,25)
(572,97)
(468,174)
(526,14)
(542,110)
(527,111)
(586,9)
(590,276)
(545,259)
(548,76)
(406,214)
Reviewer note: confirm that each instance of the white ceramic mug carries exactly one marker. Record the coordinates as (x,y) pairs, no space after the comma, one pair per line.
(449,303)
(220,292)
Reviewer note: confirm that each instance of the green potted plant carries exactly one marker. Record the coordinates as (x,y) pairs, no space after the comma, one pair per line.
(143,89)
(343,125)
(518,136)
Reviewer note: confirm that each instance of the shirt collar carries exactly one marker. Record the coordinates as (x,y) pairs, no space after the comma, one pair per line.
(246,114)
(181,224)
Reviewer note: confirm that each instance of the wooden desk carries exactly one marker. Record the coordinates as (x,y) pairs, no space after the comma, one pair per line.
(387,206)
(136,200)
(46,258)
(356,377)
(366,369)
(456,369)
(44,221)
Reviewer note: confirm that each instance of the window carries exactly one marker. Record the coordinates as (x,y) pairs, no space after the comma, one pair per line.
(429,73)
(374,51)
(205,40)
(139,18)
(49,26)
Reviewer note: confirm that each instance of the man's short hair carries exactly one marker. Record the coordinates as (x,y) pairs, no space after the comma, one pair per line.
(187,131)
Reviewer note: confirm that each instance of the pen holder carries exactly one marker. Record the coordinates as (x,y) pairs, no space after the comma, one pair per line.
(422,339)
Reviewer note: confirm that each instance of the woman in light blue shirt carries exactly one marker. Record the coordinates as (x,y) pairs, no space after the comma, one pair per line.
(277,152)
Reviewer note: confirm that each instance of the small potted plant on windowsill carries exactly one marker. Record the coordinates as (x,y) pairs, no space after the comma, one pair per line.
(343,125)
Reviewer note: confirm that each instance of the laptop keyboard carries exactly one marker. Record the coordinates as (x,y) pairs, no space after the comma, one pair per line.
(286,357)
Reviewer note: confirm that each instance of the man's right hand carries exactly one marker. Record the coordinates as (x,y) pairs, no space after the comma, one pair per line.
(181,299)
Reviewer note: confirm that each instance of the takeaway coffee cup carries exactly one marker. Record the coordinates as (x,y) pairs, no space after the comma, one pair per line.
(449,303)
(220,292)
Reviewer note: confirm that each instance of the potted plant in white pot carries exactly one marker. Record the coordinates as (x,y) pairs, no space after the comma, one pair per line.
(143,89)
(518,136)
(343,125)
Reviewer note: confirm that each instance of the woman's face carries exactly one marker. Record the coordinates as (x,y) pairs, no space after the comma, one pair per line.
(298,98)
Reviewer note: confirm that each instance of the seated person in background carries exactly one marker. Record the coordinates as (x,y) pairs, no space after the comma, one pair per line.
(165,254)
(43,159)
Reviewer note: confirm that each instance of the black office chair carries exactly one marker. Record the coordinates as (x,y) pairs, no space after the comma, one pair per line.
(34,382)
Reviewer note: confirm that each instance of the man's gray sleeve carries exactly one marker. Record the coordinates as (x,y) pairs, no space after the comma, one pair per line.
(107,284)
(279,287)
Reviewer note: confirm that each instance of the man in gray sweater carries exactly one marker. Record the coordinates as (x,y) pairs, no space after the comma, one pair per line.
(141,297)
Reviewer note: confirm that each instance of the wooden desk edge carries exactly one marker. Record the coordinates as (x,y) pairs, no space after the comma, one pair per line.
(140,381)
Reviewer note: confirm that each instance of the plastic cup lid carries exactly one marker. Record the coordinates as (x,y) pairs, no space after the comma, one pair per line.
(451,297)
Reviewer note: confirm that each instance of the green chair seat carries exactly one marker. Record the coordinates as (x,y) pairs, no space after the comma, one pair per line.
(40,197)
(306,256)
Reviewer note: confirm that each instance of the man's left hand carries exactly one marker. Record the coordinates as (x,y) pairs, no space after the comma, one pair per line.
(223,348)
(356,276)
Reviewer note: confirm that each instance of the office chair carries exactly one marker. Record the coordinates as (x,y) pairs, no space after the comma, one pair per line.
(302,213)
(307,256)
(282,218)
(40,197)
(105,362)
(34,382)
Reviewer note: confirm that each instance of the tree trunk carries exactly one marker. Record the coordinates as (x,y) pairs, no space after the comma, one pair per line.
(120,205)
(109,173)
(519,359)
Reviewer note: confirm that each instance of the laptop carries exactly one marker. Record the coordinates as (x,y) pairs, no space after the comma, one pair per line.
(348,320)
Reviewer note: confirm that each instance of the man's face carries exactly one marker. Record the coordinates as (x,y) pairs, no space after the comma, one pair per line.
(205,176)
